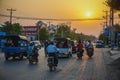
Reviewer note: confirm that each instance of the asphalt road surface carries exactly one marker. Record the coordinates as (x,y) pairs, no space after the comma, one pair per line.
(68,68)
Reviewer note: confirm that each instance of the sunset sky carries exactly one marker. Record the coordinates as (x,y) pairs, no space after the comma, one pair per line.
(58,9)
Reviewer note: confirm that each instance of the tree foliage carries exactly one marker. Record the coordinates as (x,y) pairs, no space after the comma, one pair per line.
(115,4)
(14,28)
(65,31)
(117,27)
(82,37)
(102,37)
(43,34)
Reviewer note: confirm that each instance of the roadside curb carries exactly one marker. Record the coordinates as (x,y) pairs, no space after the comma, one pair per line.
(114,54)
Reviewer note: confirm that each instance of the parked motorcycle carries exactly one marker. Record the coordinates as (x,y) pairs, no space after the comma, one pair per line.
(90,52)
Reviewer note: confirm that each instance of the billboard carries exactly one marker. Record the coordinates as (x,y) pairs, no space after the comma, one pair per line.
(30,30)
(107,31)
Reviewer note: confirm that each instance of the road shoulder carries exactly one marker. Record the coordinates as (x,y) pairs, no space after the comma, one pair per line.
(112,65)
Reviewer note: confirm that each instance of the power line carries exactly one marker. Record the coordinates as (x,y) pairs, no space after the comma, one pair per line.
(51,19)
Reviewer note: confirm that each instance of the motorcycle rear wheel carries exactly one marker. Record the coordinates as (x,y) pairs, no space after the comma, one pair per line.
(50,68)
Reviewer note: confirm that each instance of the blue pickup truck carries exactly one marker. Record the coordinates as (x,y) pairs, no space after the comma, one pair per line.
(15,46)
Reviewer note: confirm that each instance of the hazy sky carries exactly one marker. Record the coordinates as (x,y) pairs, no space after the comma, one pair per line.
(60,9)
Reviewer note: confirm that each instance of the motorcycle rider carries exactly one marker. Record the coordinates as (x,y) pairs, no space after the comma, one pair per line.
(90,49)
(80,47)
(30,48)
(85,44)
(52,51)
(33,51)
(90,45)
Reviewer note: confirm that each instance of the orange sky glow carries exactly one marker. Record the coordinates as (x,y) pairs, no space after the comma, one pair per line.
(58,9)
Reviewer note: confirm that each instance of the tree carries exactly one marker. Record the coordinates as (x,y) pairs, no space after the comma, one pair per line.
(103,37)
(115,4)
(83,37)
(43,34)
(117,28)
(7,28)
(63,30)
(15,28)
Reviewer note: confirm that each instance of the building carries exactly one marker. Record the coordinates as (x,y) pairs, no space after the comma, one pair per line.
(41,23)
(30,31)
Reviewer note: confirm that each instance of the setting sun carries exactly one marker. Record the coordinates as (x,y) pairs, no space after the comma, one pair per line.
(88,14)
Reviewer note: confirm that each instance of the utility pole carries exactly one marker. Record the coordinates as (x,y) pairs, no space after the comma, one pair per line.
(106,18)
(11,11)
(106,25)
(112,27)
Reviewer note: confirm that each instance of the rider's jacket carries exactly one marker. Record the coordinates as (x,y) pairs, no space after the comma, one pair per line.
(51,49)
(90,45)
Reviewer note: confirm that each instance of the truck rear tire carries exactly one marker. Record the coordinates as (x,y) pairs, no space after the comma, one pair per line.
(21,56)
(6,56)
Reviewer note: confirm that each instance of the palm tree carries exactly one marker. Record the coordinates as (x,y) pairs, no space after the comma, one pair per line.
(115,4)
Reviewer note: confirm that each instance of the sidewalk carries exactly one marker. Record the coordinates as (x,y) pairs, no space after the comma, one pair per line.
(114,65)
(115,54)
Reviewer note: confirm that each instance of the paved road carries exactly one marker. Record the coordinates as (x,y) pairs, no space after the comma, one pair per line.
(68,68)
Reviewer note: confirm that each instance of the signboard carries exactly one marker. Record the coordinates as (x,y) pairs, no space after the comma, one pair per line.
(107,31)
(30,30)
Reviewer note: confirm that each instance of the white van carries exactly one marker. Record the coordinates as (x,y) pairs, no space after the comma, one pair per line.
(64,47)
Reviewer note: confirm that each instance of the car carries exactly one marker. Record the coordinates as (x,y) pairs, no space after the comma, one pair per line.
(37,44)
(99,44)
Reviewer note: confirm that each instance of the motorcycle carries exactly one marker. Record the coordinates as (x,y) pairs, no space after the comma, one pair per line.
(51,63)
(90,52)
(33,59)
(80,53)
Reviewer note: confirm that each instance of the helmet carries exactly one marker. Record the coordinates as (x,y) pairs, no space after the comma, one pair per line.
(89,41)
(32,43)
(52,42)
